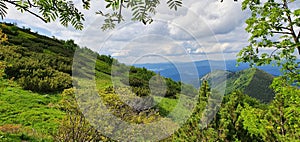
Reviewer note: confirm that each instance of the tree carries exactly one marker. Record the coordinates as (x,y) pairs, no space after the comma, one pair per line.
(230,125)
(49,10)
(273,25)
(196,128)
(68,13)
(279,121)
(284,112)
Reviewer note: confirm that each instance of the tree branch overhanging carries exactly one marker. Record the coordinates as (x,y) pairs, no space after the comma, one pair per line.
(278,32)
(273,52)
(26,9)
(120,11)
(280,27)
(295,37)
(30,4)
(56,6)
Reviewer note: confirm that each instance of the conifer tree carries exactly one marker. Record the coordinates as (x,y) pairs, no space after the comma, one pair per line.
(193,129)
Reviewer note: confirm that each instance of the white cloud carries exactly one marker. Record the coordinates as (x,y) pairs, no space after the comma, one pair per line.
(214,18)
(201,29)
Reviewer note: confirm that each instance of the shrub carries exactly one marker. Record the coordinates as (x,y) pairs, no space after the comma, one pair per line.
(45,80)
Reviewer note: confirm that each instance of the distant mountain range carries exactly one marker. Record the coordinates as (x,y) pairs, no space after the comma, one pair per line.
(252,81)
(177,71)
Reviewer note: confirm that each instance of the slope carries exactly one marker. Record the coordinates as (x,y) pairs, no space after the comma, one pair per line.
(42,64)
(27,116)
(253,82)
(39,68)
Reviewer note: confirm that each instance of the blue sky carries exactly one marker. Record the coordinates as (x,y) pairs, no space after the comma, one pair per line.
(200,30)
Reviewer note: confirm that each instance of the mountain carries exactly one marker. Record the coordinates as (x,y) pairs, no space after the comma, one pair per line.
(172,70)
(253,82)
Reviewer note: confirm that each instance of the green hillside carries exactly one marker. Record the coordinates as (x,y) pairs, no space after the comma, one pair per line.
(259,86)
(42,64)
(36,69)
(253,82)
(26,115)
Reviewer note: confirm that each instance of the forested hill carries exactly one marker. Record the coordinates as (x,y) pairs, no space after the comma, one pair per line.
(253,82)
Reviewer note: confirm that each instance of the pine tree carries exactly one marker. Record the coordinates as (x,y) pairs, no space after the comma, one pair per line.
(284,113)
(230,127)
(195,128)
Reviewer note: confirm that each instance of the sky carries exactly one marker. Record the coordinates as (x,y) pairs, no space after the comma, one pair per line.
(199,30)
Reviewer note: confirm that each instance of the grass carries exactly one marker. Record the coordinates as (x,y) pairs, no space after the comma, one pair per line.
(34,113)
(176,109)
(103,80)
(25,35)
(239,81)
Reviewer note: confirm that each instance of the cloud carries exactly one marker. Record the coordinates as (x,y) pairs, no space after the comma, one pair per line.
(214,18)
(152,44)
(201,29)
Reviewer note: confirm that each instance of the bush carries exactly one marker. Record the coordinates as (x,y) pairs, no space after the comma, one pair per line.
(46,80)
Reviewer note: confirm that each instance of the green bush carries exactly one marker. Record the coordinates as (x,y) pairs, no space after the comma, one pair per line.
(46,80)
(37,71)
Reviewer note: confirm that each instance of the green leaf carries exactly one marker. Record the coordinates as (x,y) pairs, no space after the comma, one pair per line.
(108,5)
(297,12)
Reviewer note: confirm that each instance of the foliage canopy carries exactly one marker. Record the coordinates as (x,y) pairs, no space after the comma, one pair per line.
(69,13)
(274,28)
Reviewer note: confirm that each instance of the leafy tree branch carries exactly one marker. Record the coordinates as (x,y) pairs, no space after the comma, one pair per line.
(68,13)
(273,25)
